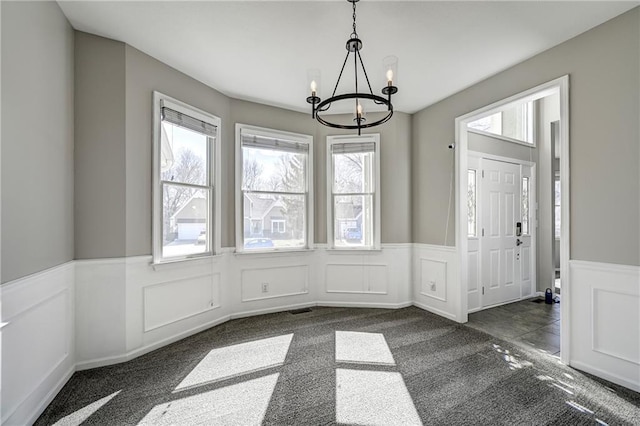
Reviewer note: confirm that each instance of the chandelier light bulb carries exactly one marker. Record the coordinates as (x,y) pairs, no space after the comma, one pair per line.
(314,87)
(390,77)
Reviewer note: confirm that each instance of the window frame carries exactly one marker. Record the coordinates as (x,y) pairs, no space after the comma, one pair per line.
(239,169)
(213,242)
(531,112)
(341,139)
(476,187)
(557,217)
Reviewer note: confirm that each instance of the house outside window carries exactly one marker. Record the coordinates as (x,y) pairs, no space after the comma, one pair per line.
(274,196)
(353,173)
(183,180)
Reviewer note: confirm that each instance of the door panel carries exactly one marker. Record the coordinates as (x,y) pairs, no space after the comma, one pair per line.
(501,274)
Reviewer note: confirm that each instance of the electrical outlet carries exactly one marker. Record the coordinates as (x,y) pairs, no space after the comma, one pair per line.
(265,287)
(433,285)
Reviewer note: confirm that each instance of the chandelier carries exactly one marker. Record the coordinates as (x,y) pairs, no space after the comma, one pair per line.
(319,106)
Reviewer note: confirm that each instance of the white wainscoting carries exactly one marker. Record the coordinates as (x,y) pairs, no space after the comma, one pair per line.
(38,354)
(90,313)
(359,278)
(605,321)
(100,309)
(289,277)
(274,281)
(144,306)
(436,285)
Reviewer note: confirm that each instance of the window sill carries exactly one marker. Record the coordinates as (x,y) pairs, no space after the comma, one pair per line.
(280,252)
(354,250)
(176,262)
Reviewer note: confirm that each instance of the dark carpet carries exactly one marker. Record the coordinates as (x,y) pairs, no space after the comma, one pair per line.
(452,374)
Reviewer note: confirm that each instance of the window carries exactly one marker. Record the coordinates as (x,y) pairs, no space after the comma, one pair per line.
(183,180)
(274,194)
(525,206)
(278,226)
(353,181)
(515,123)
(558,210)
(472,222)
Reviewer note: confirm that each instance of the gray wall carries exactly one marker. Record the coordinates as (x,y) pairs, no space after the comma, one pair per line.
(145,74)
(603,65)
(37,138)
(114,86)
(99,147)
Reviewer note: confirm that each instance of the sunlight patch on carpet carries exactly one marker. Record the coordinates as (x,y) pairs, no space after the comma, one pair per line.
(233,361)
(373,398)
(244,403)
(363,348)
(78,417)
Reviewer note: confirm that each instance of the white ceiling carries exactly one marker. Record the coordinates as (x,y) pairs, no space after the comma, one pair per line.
(261,51)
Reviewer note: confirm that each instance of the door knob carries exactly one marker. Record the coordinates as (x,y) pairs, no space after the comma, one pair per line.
(518,242)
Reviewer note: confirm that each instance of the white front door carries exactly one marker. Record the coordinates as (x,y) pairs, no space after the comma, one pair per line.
(501,195)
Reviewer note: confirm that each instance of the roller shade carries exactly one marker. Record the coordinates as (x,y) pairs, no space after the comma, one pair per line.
(353,147)
(188,122)
(263,142)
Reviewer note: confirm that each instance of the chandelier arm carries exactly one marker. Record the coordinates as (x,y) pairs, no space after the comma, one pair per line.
(355,71)
(340,75)
(365,73)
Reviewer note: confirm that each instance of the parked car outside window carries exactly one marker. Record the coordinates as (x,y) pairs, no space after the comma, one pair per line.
(258,243)
(353,234)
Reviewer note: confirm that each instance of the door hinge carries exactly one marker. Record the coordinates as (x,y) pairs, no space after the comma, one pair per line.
(482,289)
(483,232)
(483,173)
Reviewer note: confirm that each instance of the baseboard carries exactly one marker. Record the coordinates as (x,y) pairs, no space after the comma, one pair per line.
(365,305)
(42,405)
(435,311)
(117,359)
(613,378)
(246,314)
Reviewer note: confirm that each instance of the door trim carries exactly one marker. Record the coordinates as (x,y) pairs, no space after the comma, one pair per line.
(560,86)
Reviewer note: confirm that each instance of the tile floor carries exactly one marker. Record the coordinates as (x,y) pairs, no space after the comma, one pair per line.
(525,322)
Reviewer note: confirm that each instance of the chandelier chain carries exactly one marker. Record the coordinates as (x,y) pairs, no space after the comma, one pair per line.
(354,19)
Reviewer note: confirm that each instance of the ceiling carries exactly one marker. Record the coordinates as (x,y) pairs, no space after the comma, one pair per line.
(261,51)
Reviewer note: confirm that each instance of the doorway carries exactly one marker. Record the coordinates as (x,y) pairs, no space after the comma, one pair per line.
(501,241)
(468,260)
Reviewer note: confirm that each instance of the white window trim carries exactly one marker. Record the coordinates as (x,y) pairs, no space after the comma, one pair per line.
(298,137)
(375,138)
(214,241)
